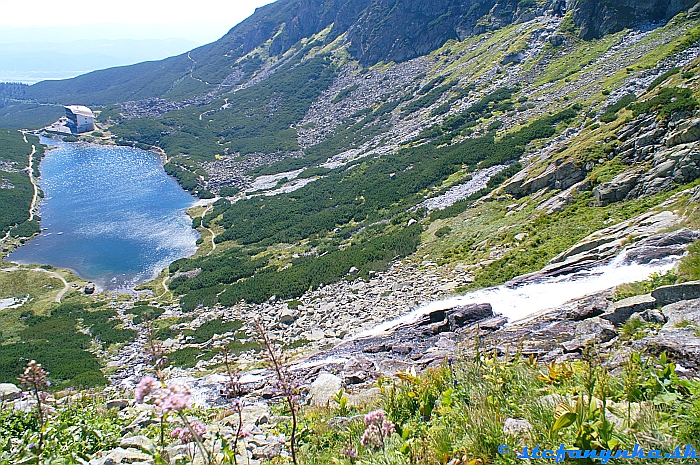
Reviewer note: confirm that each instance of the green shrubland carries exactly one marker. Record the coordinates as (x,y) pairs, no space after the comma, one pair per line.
(456,413)
(60,340)
(17,195)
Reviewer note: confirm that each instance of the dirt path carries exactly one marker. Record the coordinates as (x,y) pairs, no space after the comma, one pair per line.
(53,274)
(213,244)
(30,172)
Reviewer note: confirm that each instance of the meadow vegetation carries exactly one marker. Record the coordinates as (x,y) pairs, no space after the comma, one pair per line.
(17,190)
(456,413)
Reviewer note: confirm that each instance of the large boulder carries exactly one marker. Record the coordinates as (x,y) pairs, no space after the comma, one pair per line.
(675,293)
(592,330)
(452,319)
(619,312)
(9,391)
(680,336)
(323,389)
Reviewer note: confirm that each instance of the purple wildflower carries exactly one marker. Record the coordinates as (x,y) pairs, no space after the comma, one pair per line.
(350,453)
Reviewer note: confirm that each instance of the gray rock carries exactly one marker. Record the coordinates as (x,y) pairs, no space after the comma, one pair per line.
(620,311)
(653,316)
(688,131)
(557,39)
(671,166)
(120,455)
(117,403)
(515,427)
(287,316)
(680,336)
(141,443)
(591,330)
(323,389)
(268,451)
(440,321)
(9,391)
(618,188)
(600,329)
(255,414)
(142,420)
(558,175)
(661,246)
(675,293)
(587,307)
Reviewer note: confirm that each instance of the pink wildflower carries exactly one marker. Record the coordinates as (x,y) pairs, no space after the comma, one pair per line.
(147,385)
(174,398)
(185,435)
(371,437)
(378,429)
(168,398)
(199,428)
(375,418)
(388,428)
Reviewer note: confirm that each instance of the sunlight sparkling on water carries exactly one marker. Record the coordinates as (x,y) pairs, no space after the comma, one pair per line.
(111,214)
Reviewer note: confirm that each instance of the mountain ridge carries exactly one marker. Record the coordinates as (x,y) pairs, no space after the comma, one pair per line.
(377,31)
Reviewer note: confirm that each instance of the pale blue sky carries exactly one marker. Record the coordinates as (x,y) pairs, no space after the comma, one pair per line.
(201,21)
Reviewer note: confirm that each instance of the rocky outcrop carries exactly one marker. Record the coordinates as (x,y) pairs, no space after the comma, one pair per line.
(398,31)
(619,312)
(606,244)
(671,294)
(428,340)
(561,174)
(597,18)
(677,165)
(680,336)
(686,132)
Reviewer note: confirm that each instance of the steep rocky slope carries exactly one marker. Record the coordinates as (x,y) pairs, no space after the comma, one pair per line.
(525,146)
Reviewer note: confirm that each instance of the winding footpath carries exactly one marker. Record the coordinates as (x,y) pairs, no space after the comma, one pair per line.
(32,179)
(53,274)
(30,172)
(213,244)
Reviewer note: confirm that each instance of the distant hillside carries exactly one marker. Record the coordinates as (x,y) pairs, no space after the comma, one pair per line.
(35,61)
(376,30)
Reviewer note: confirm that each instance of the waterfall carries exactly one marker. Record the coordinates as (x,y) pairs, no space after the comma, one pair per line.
(525,299)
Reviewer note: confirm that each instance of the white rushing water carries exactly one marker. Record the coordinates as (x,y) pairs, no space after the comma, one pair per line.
(516,303)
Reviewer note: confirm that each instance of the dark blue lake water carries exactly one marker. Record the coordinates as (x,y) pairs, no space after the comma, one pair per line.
(111,215)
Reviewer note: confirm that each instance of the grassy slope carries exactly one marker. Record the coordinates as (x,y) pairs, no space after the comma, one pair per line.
(304,215)
(457,412)
(374,215)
